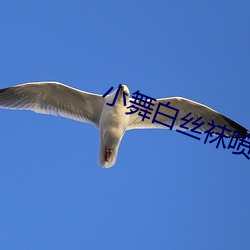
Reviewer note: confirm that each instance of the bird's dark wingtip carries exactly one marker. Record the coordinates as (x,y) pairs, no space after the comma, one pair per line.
(236,126)
(3,90)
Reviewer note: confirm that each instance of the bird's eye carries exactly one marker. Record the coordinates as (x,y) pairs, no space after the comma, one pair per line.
(126,93)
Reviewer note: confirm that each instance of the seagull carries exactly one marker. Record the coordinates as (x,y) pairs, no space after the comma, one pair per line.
(55,98)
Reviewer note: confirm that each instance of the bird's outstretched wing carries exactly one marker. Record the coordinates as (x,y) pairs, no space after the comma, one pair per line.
(54,98)
(185,106)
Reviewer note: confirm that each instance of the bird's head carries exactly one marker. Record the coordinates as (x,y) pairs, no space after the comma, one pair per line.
(125,89)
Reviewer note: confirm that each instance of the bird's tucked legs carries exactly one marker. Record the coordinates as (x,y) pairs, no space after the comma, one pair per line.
(108,154)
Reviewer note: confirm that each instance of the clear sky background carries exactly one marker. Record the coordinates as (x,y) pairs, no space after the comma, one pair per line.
(167,191)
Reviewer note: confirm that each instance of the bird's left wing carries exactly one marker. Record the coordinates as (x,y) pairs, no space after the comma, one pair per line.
(54,98)
(185,106)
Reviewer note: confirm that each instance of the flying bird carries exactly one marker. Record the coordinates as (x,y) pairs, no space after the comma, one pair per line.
(55,98)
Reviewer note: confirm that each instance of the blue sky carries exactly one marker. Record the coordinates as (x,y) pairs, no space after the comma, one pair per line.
(167,191)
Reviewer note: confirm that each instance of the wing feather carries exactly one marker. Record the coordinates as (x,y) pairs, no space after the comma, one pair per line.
(54,98)
(185,106)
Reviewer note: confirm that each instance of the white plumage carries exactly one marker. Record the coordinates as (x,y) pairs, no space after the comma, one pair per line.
(58,99)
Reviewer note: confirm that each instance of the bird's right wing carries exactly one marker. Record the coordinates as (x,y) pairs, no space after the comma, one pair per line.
(54,98)
(184,107)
